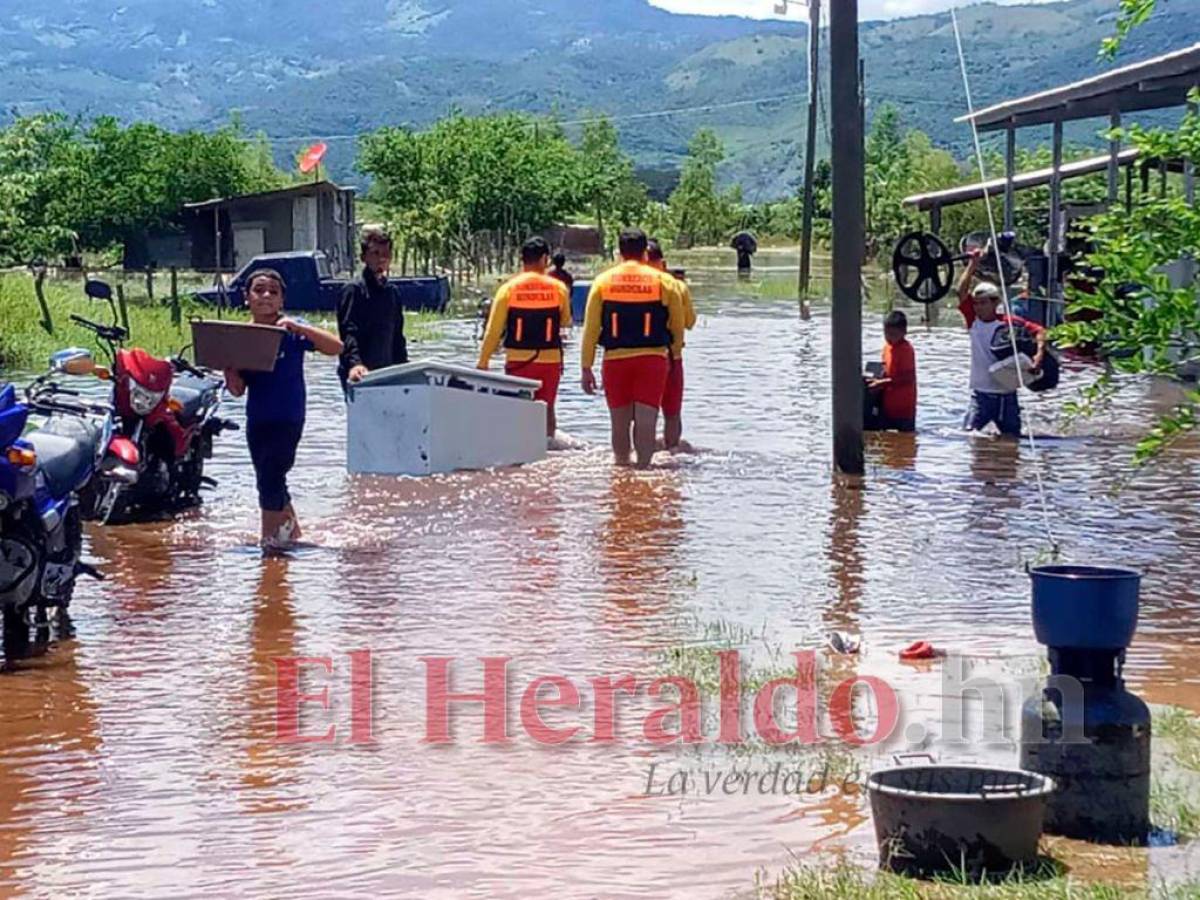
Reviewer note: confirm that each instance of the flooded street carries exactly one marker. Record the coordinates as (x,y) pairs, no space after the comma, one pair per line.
(141,756)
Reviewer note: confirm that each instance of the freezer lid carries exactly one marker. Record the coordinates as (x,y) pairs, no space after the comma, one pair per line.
(445,374)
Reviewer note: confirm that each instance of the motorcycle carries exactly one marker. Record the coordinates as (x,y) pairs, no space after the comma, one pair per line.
(41,475)
(165,412)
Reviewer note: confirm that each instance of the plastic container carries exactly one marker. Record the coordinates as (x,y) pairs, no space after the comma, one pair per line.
(1088,607)
(579,295)
(236,345)
(935,819)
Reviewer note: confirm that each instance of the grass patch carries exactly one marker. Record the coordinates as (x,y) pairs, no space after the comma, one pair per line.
(847,883)
(26,344)
(1182,729)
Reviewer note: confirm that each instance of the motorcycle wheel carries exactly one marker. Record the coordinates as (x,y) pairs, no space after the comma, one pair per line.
(16,633)
(69,556)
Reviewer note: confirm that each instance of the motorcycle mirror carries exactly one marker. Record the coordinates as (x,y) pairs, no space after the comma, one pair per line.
(97,290)
(73,361)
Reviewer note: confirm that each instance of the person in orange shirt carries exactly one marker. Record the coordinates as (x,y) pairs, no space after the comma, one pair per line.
(636,313)
(529,314)
(898,386)
(672,402)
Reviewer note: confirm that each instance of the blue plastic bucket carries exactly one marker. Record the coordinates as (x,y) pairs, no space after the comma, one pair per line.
(579,295)
(1091,607)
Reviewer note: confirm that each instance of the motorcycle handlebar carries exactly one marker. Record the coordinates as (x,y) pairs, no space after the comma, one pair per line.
(108,332)
(184,366)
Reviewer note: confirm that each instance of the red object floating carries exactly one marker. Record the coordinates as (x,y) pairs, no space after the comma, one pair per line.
(312,157)
(919,650)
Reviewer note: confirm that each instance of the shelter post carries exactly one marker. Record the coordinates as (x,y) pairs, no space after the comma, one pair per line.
(849,237)
(1114,156)
(1010,172)
(810,150)
(1189,169)
(1055,242)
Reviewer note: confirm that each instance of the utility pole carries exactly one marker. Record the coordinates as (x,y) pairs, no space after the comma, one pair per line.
(810,152)
(849,237)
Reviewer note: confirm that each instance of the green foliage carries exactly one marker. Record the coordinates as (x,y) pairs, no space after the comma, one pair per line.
(1136,314)
(509,174)
(701,213)
(24,345)
(67,189)
(607,185)
(900,163)
(1132,14)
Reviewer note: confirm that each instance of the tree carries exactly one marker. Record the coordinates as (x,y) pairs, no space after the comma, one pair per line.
(504,176)
(35,165)
(1144,321)
(65,189)
(607,184)
(701,214)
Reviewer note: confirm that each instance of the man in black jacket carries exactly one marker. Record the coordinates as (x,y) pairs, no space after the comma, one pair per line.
(371,316)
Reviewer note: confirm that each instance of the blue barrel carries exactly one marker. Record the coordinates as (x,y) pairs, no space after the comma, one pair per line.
(1090,607)
(579,295)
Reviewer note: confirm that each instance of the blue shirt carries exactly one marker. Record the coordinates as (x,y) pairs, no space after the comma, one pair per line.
(279,395)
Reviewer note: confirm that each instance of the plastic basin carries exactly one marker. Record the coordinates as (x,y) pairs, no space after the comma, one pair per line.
(1090,607)
(935,820)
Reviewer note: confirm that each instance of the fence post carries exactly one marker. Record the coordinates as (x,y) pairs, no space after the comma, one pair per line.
(123,310)
(176,315)
(39,290)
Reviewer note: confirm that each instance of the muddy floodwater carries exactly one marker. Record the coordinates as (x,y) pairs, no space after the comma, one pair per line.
(141,756)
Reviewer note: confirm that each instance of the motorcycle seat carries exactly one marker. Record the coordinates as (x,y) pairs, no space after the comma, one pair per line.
(65,459)
(192,394)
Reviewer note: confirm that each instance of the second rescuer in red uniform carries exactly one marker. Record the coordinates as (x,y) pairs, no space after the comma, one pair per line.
(636,313)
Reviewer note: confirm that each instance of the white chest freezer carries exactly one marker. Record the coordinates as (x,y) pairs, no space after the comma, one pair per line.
(430,417)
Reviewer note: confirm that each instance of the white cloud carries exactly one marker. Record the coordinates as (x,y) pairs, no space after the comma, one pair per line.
(765,9)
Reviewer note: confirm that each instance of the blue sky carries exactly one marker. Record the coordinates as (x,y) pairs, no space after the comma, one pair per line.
(764,9)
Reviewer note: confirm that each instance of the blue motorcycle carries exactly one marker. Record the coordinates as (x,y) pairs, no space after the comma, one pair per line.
(41,473)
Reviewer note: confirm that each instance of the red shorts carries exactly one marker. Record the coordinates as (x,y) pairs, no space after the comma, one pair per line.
(636,379)
(672,401)
(549,374)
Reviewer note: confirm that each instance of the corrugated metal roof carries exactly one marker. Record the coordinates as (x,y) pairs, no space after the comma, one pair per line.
(1158,83)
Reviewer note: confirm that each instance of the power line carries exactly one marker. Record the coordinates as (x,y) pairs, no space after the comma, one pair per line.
(663,113)
(658,114)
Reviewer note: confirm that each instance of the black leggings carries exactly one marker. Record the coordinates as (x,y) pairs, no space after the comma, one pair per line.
(273,452)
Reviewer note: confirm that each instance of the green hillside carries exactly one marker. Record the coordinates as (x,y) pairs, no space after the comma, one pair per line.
(300,72)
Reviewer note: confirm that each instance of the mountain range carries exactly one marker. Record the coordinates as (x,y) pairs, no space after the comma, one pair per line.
(306,71)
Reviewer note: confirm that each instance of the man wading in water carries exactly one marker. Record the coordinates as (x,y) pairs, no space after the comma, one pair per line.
(530,313)
(371,315)
(672,402)
(636,313)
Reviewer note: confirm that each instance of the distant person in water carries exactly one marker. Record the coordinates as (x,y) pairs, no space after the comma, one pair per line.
(371,314)
(529,314)
(896,390)
(746,246)
(560,272)
(276,404)
(672,402)
(991,401)
(636,313)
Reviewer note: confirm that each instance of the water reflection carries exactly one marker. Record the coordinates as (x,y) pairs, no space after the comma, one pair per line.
(639,540)
(50,768)
(844,552)
(566,566)
(267,766)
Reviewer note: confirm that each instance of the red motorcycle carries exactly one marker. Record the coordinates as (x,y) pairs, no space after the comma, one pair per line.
(165,422)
